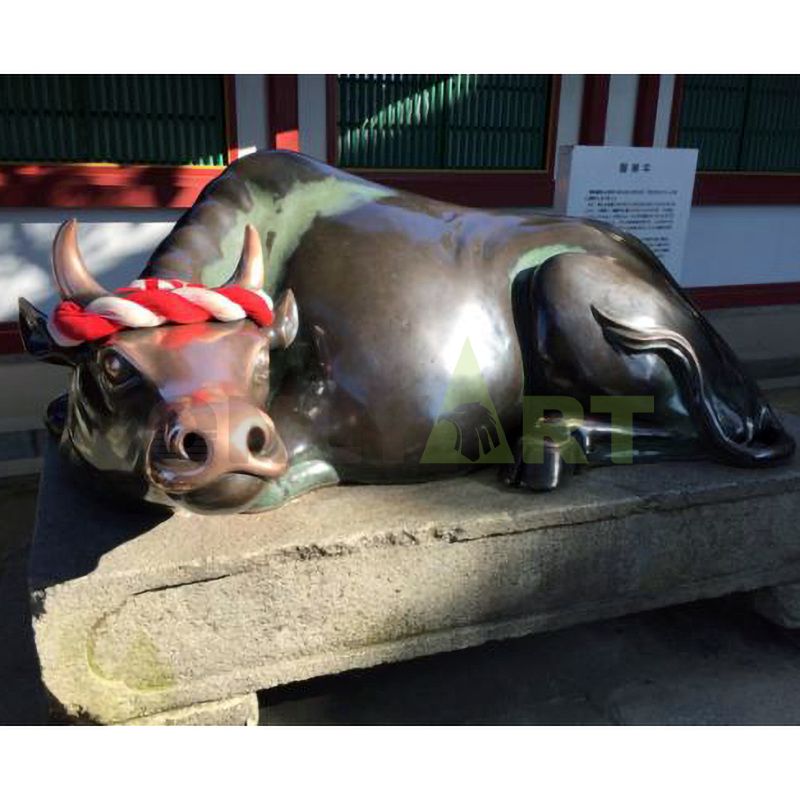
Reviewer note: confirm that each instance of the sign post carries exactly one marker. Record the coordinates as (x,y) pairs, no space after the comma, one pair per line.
(646,191)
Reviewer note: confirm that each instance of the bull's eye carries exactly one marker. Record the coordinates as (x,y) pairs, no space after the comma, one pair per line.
(261,367)
(116,369)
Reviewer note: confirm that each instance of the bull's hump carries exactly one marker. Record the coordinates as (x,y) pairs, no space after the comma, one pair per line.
(280,193)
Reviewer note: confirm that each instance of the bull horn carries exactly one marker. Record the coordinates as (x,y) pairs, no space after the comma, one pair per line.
(72,278)
(250,269)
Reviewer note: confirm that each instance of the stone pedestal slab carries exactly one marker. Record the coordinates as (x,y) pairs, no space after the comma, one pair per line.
(138,613)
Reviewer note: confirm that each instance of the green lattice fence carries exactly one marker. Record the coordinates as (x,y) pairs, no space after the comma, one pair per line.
(125,119)
(443,121)
(742,122)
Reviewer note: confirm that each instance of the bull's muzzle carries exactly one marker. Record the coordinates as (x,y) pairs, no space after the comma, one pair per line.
(215,454)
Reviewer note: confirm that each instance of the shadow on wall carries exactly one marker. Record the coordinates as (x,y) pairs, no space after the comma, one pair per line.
(115,245)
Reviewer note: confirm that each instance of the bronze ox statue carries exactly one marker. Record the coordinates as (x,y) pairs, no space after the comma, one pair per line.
(379,291)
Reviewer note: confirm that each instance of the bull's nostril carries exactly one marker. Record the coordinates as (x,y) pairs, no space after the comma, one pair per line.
(256,440)
(195,447)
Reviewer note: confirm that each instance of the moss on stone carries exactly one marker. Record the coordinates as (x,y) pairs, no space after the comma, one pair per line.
(140,669)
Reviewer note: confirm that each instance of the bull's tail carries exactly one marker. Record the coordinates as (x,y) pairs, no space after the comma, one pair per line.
(766,440)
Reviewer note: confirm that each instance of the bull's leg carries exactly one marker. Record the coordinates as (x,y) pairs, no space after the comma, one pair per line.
(566,358)
(541,464)
(543,460)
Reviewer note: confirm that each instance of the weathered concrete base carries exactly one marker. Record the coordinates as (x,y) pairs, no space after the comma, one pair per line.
(236,711)
(138,613)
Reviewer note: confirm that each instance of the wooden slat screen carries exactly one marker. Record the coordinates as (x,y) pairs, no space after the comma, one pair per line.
(123,119)
(748,123)
(457,122)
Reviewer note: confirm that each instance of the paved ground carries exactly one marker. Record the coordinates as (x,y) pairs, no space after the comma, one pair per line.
(703,663)
(21,699)
(787,398)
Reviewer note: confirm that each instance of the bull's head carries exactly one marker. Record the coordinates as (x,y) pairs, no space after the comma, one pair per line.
(179,409)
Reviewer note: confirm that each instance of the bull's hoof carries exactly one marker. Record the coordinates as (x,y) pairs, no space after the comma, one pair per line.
(538,468)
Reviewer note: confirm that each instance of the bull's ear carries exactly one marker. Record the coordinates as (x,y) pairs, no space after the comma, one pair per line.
(37,339)
(284,327)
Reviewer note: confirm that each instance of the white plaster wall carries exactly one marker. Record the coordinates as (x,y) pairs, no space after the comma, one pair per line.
(312,115)
(622,90)
(742,244)
(666,87)
(569,112)
(115,244)
(251,117)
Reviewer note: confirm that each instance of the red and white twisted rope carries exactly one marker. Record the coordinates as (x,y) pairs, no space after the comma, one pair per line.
(151,302)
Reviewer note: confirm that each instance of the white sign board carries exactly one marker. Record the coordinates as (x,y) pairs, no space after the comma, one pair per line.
(646,191)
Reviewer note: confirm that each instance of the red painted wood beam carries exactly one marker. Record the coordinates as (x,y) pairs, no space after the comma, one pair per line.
(331,116)
(644,124)
(115,185)
(753,294)
(231,130)
(594,109)
(10,340)
(101,185)
(282,115)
